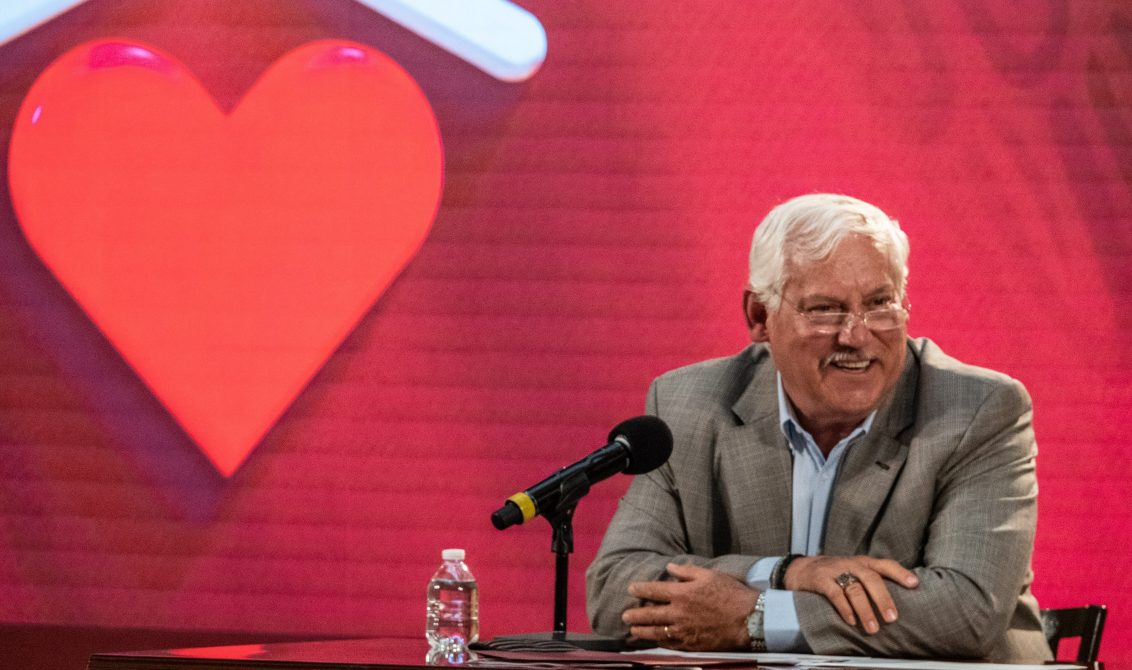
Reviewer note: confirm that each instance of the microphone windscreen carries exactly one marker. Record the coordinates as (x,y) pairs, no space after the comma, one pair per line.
(650,443)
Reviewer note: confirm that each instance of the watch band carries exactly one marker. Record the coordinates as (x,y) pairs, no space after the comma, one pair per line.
(755,628)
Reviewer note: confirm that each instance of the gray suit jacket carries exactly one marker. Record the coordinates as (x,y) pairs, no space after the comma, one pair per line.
(943,483)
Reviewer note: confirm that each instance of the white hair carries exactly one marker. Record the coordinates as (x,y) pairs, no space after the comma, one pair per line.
(808,228)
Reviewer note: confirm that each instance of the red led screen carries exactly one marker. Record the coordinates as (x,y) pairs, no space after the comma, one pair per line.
(591,233)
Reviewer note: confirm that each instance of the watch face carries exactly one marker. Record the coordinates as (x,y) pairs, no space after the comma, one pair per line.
(756,626)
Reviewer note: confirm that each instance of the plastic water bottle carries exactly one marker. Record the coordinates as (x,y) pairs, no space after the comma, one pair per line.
(453,618)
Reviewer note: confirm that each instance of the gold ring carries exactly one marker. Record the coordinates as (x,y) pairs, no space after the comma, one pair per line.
(846,579)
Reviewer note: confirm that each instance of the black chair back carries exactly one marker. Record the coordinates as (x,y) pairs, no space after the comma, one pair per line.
(1086,623)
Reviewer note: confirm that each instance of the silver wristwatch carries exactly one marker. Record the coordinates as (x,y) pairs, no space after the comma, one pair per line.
(755,624)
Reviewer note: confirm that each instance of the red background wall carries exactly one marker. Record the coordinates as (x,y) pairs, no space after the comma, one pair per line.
(592,234)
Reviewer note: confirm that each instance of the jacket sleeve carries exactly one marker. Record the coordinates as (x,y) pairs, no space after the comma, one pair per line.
(647,532)
(980,536)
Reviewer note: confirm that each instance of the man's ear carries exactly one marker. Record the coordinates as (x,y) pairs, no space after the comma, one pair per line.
(756,316)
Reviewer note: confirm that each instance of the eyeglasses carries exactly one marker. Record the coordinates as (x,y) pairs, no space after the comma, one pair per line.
(877,320)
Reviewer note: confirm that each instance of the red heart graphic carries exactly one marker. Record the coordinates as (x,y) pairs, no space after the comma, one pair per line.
(225,256)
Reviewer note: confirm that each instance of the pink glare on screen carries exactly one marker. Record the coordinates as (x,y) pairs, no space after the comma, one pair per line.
(120,54)
(340,56)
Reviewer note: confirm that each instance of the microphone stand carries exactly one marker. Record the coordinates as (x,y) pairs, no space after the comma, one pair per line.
(562,544)
(561,521)
(572,490)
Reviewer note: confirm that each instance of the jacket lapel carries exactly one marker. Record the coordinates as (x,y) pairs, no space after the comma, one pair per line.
(869,470)
(754,468)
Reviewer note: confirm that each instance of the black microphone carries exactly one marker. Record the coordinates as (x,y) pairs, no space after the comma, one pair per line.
(636,446)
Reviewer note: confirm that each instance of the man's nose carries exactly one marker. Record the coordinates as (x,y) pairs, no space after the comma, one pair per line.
(853,332)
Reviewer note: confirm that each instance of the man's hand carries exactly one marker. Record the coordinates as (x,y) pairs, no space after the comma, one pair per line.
(704,610)
(861,599)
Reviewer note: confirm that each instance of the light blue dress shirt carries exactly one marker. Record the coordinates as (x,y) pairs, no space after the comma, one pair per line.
(814,478)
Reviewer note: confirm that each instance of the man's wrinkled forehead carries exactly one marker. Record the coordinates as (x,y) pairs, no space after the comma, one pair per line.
(797,265)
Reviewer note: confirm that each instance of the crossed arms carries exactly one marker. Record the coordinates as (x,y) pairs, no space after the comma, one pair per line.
(942,563)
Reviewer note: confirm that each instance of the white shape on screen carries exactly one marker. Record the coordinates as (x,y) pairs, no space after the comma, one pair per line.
(19,16)
(496,36)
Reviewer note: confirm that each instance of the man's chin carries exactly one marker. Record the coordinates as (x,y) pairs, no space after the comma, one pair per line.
(855,406)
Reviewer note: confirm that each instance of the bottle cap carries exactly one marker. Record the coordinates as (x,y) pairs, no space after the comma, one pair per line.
(452,554)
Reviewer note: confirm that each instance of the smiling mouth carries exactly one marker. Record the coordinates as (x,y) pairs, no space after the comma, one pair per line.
(847,363)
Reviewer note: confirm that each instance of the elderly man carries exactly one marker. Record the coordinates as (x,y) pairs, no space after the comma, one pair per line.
(836,487)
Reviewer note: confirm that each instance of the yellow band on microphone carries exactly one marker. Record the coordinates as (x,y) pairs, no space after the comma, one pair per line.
(525,505)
